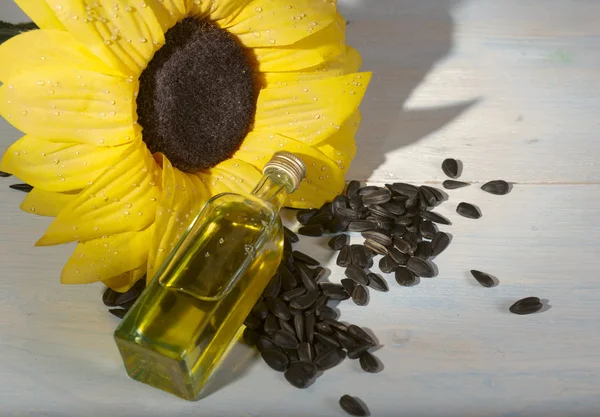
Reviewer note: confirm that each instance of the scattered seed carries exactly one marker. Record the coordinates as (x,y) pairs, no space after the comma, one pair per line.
(355,202)
(396,208)
(273,288)
(398,257)
(4,174)
(378,211)
(314,230)
(358,274)
(451,168)
(453,185)
(27,188)
(304,258)
(276,359)
(404,220)
(468,210)
(359,256)
(285,340)
(326,339)
(424,250)
(439,243)
(351,406)
(435,217)
(305,301)
(321,301)
(360,226)
(358,350)
(118,312)
(271,325)
(420,267)
(360,335)
(261,310)
(339,202)
(263,343)
(387,265)
(405,277)
(360,295)
(109,297)
(348,285)
(306,277)
(378,236)
(288,280)
(279,308)
(380,196)
(376,247)
(252,322)
(300,374)
(352,189)
(368,190)
(293,237)
(250,336)
(497,187)
(400,188)
(305,352)
(309,327)
(329,359)
(334,291)
(369,363)
(323,328)
(303,216)
(349,213)
(346,341)
(327,312)
(326,208)
(428,229)
(287,326)
(287,296)
(319,273)
(338,224)
(427,198)
(527,305)
(377,282)
(322,218)
(403,245)
(483,278)
(333,323)
(344,258)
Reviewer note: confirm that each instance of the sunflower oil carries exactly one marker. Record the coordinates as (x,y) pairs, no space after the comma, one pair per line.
(190,315)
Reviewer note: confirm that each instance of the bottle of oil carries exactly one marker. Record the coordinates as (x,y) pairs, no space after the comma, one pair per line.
(192,311)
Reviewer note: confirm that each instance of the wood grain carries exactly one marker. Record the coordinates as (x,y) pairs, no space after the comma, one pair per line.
(509,87)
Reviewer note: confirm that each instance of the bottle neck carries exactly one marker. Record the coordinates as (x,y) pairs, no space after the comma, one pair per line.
(274,187)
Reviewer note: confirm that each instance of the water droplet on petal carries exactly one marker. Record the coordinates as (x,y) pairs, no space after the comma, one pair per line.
(258,9)
(143,40)
(24,112)
(221,240)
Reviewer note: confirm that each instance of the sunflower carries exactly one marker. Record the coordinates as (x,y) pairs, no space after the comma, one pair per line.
(135,113)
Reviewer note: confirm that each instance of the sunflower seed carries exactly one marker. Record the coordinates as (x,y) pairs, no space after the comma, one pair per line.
(287,326)
(435,217)
(329,359)
(299,326)
(360,295)
(439,195)
(351,406)
(339,241)
(293,237)
(368,190)
(424,250)
(404,220)
(327,340)
(287,245)
(4,174)
(348,285)
(288,260)
(309,327)
(421,267)
(483,278)
(405,277)
(263,343)
(377,282)
(271,325)
(396,208)
(398,257)
(428,229)
(314,230)
(439,243)
(379,211)
(357,274)
(527,305)
(403,245)
(300,374)
(387,265)
(345,340)
(349,213)
(323,328)
(118,312)
(27,188)
(427,197)
(305,301)
(252,322)
(334,291)
(468,210)
(360,335)
(400,188)
(344,257)
(358,350)
(412,203)
(276,359)
(304,258)
(285,340)
(303,216)
(320,302)
(453,185)
(352,189)
(293,293)
(318,273)
(359,256)
(250,336)
(497,187)
(327,312)
(451,168)
(355,202)
(306,277)
(369,363)
(321,218)
(273,287)
(360,226)
(338,224)
(334,324)
(305,352)
(279,308)
(260,310)
(109,297)
(376,247)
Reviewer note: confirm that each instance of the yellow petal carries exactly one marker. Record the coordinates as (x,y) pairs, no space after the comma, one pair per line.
(46,203)
(40,13)
(57,166)
(309,52)
(218,11)
(168,12)
(126,280)
(310,111)
(344,63)
(123,34)
(324,179)
(55,104)
(341,146)
(104,258)
(232,175)
(47,49)
(271,23)
(182,198)
(122,199)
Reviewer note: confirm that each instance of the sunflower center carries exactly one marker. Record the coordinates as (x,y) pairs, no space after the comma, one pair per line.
(196,101)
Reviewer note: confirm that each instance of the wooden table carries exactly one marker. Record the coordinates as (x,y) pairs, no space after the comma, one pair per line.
(512,88)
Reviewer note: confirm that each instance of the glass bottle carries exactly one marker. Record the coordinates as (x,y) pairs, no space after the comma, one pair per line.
(192,311)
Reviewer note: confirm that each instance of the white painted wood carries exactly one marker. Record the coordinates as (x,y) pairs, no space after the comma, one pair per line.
(450,348)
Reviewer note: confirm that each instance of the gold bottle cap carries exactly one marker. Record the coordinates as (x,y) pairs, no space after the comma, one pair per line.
(290,164)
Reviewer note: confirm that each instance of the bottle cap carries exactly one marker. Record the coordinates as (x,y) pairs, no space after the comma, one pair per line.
(290,164)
